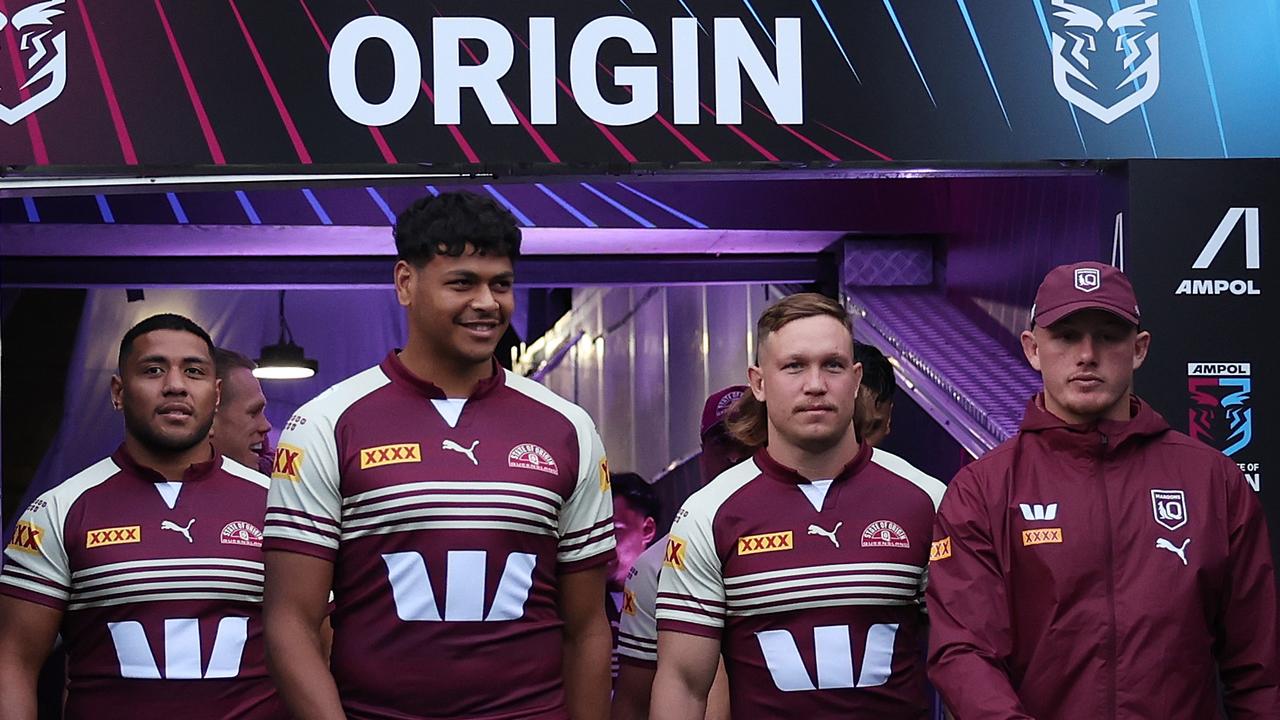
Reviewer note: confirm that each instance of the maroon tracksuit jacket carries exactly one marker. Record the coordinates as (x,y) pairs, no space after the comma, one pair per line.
(1109,571)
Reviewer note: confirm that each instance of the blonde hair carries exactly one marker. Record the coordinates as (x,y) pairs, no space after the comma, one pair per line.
(748,420)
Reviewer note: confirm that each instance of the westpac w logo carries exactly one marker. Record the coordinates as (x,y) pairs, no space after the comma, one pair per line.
(464,587)
(1086,62)
(1039,512)
(834,653)
(181,649)
(37,55)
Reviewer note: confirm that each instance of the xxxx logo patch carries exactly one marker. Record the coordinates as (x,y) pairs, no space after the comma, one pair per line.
(1042,536)
(288,461)
(628,601)
(940,549)
(768,542)
(27,537)
(113,536)
(674,557)
(390,455)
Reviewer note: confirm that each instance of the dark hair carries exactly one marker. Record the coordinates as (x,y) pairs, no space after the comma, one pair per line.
(163,321)
(447,223)
(748,420)
(639,494)
(877,372)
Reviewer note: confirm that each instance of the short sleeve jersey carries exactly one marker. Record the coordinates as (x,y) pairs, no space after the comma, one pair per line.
(638,628)
(815,596)
(446,537)
(162,604)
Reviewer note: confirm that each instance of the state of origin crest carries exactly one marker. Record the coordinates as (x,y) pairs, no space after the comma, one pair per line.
(1090,54)
(42,59)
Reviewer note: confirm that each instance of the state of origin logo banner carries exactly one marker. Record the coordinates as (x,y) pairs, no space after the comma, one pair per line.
(619,83)
(1201,251)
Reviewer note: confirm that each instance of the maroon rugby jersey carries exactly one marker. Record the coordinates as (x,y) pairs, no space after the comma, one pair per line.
(815,596)
(446,538)
(162,604)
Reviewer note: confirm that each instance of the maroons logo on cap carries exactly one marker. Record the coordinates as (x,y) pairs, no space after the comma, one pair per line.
(532,457)
(239,532)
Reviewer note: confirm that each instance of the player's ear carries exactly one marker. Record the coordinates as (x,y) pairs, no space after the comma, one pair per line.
(117,392)
(404,276)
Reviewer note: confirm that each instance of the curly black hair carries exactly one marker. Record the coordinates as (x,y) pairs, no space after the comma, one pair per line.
(447,223)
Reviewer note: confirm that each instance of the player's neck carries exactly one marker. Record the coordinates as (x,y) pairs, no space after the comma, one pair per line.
(171,465)
(456,378)
(814,463)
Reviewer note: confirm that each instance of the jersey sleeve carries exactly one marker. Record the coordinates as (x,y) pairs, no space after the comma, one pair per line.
(638,628)
(36,565)
(691,597)
(304,504)
(586,519)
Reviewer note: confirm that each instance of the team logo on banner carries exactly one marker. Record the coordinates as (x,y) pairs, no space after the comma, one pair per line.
(40,59)
(1090,54)
(1170,508)
(1221,413)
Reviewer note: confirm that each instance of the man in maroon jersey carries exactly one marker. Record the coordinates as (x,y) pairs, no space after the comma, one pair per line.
(804,566)
(459,513)
(1100,564)
(149,562)
(240,426)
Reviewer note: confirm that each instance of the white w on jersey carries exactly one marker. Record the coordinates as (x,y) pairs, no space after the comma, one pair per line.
(464,587)
(834,653)
(181,649)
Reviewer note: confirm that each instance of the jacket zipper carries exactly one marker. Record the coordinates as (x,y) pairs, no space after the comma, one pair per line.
(1111,581)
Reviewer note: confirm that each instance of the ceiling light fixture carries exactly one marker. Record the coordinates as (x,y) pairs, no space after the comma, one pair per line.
(285,360)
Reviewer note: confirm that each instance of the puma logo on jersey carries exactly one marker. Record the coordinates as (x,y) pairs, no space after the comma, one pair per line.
(1180,551)
(186,531)
(815,530)
(468,451)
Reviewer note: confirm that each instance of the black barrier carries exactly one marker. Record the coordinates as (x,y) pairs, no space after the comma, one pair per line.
(616,84)
(1197,236)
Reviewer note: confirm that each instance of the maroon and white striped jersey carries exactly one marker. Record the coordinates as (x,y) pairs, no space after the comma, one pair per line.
(447,527)
(161,588)
(814,589)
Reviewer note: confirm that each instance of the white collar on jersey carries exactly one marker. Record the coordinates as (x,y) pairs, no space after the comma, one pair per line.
(450,409)
(816,491)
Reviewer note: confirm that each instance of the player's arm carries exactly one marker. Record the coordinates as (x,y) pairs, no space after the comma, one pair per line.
(631,692)
(970,638)
(295,606)
(27,633)
(718,696)
(587,643)
(686,669)
(1246,634)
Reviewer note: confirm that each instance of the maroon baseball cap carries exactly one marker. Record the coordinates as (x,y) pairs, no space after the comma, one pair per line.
(1083,286)
(718,404)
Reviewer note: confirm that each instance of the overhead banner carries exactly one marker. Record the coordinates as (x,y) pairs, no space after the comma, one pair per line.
(614,84)
(1197,252)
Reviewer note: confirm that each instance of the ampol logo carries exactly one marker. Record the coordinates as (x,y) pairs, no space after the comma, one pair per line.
(532,457)
(41,57)
(1097,52)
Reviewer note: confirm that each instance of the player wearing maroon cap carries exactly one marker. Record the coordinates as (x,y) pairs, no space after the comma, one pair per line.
(1100,564)
(459,513)
(638,630)
(804,566)
(149,561)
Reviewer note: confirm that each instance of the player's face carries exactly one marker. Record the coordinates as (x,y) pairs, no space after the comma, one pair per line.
(459,307)
(873,418)
(1087,361)
(633,531)
(807,379)
(719,453)
(167,391)
(240,426)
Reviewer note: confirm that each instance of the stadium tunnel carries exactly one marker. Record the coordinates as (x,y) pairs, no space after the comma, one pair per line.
(637,295)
